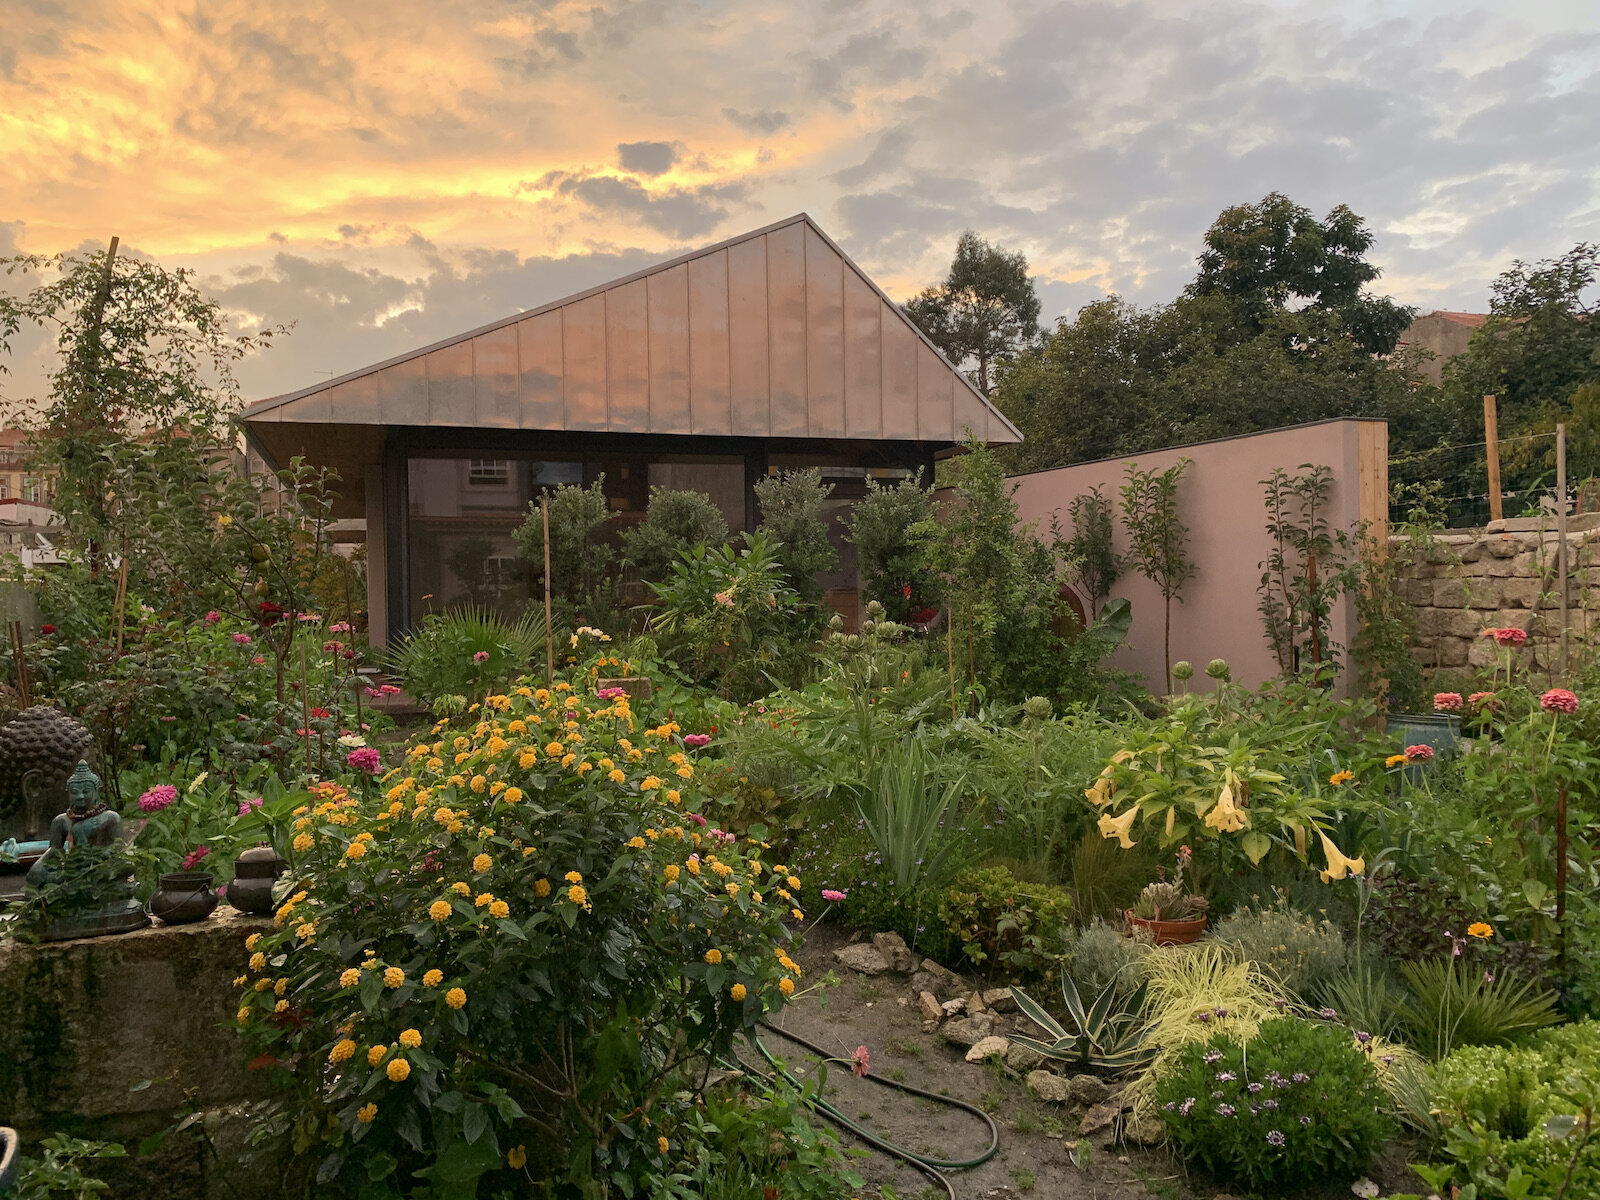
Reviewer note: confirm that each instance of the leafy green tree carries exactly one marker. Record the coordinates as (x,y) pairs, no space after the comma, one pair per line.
(793,520)
(580,554)
(1096,567)
(1158,540)
(985,310)
(894,565)
(674,521)
(142,355)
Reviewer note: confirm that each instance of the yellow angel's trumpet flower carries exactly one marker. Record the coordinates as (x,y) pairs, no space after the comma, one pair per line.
(1226,816)
(1117,827)
(1338,865)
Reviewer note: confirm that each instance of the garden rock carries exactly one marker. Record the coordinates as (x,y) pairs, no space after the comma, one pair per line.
(975,1003)
(968,1031)
(932,1010)
(1023,1058)
(862,958)
(1089,1090)
(1144,1131)
(953,1007)
(924,981)
(1000,1000)
(895,952)
(987,1048)
(1099,1118)
(1046,1086)
(942,972)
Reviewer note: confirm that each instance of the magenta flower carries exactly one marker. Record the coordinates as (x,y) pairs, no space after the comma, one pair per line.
(157,798)
(192,859)
(611,693)
(1419,754)
(339,627)
(697,819)
(697,741)
(364,759)
(246,806)
(832,896)
(241,639)
(859,1062)
(482,656)
(213,617)
(1506,637)
(1559,700)
(1448,701)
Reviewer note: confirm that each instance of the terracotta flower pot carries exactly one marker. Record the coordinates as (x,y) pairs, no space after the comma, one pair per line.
(1169,933)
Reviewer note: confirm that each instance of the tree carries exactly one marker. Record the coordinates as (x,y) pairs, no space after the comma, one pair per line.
(142,354)
(1091,549)
(1158,539)
(1274,257)
(792,517)
(674,521)
(580,556)
(986,308)
(894,565)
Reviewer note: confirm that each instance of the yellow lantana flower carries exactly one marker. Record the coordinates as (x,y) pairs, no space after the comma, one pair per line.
(342,1050)
(433,978)
(440,910)
(399,1070)
(541,888)
(375,1055)
(499,910)
(367,1113)
(410,1039)
(349,977)
(737,991)
(456,998)
(393,977)
(482,863)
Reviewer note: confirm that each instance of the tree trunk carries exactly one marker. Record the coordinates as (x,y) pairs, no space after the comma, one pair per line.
(1166,643)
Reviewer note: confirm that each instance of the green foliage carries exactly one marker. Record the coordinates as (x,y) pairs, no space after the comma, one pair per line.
(439,657)
(1091,546)
(1109,1035)
(1158,539)
(674,522)
(63,1170)
(1304,955)
(1004,924)
(1386,620)
(1098,957)
(893,562)
(794,522)
(1452,1005)
(582,588)
(985,309)
(554,962)
(904,807)
(1301,577)
(729,619)
(1316,1116)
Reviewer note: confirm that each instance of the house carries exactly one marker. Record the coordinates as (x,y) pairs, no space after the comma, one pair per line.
(1444,334)
(768,352)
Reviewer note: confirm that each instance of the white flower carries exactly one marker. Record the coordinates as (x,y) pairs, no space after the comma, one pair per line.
(196,782)
(1364,1188)
(352,741)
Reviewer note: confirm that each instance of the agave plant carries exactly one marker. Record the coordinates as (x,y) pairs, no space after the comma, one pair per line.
(1110,1035)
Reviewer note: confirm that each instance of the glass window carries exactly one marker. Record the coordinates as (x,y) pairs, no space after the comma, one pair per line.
(488,472)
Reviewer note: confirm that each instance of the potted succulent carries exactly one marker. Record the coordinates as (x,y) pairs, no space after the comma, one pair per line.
(1174,915)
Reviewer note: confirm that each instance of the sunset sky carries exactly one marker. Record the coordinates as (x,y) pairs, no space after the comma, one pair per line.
(385,174)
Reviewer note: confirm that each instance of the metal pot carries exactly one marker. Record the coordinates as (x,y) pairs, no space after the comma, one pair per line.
(182,897)
(254,873)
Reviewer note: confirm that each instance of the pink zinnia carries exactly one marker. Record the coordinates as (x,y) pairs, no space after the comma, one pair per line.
(246,805)
(482,656)
(859,1062)
(1507,637)
(339,627)
(697,819)
(213,617)
(1418,754)
(364,759)
(192,859)
(157,798)
(696,741)
(1559,700)
(611,693)
(1447,701)
(832,896)
(241,639)
(1478,699)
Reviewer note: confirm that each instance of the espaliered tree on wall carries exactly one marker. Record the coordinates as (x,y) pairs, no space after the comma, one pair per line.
(1158,540)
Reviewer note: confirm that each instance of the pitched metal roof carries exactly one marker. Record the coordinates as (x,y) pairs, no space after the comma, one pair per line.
(775,333)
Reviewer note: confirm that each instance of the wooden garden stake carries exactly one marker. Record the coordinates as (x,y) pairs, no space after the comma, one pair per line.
(950,653)
(1491,439)
(549,627)
(1561,535)
(305,708)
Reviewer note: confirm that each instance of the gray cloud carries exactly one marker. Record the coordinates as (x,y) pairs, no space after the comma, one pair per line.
(762,120)
(677,212)
(647,158)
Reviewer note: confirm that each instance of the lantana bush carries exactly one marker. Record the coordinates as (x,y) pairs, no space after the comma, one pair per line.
(503,954)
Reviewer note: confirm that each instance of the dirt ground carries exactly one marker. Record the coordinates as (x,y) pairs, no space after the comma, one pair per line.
(1038,1155)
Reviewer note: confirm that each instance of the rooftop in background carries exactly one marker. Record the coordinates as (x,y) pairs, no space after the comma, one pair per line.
(1446,334)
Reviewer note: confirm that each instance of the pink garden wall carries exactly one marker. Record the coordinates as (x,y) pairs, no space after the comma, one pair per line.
(1220,501)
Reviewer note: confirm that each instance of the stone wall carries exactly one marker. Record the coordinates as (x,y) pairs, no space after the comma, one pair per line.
(1465,581)
(82,1022)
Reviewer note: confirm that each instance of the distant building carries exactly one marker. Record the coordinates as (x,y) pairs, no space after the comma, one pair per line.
(18,479)
(1445,334)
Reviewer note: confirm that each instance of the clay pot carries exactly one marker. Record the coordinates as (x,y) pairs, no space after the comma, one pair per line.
(182,897)
(254,873)
(1169,933)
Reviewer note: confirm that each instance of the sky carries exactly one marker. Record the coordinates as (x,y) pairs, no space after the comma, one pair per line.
(384,174)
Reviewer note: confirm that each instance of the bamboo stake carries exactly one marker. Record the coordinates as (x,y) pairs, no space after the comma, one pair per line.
(1491,438)
(305,708)
(1561,534)
(1561,870)
(950,653)
(122,597)
(549,626)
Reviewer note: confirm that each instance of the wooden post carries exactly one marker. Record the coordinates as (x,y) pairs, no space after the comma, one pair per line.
(950,651)
(1491,438)
(549,627)
(1561,535)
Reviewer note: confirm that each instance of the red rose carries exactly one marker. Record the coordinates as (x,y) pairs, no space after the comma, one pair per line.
(46,630)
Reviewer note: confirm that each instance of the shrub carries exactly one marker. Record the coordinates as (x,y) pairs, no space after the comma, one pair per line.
(1097,956)
(1302,954)
(441,657)
(895,570)
(1298,1105)
(513,946)
(1012,926)
(581,583)
(792,518)
(674,521)
(1453,1004)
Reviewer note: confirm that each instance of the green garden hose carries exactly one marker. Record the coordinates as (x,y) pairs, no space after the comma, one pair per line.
(933,1168)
